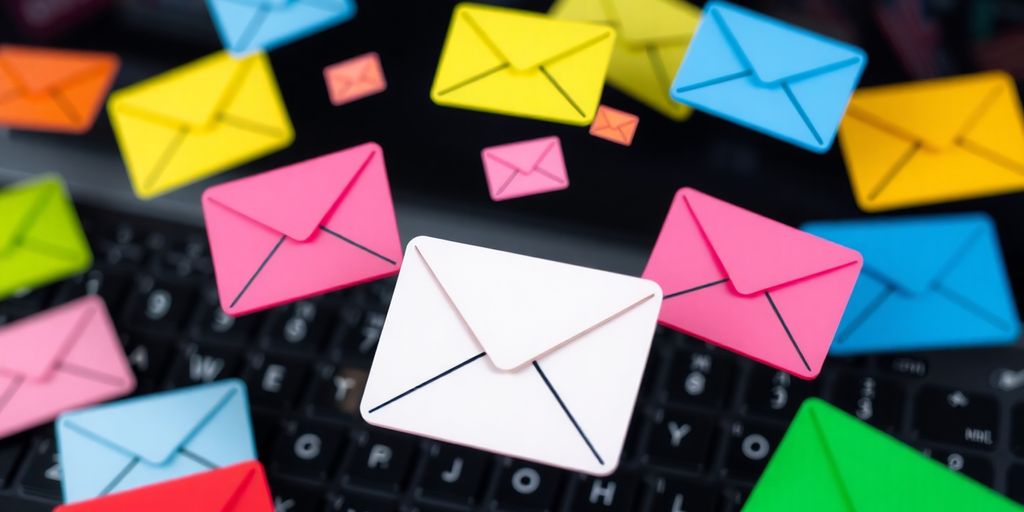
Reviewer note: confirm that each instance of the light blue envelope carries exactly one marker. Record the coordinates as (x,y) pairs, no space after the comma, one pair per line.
(929,282)
(768,75)
(247,26)
(153,438)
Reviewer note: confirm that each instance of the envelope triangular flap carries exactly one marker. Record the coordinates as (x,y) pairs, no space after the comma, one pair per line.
(519,307)
(642,22)
(527,156)
(881,473)
(175,415)
(44,70)
(527,40)
(33,346)
(295,199)
(778,51)
(910,253)
(758,253)
(201,89)
(934,112)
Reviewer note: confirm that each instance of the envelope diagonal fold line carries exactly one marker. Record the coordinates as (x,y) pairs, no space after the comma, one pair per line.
(89,374)
(199,459)
(970,306)
(561,90)
(864,315)
(696,288)
(12,389)
(800,110)
(715,81)
(64,105)
(568,413)
(357,245)
(262,12)
(895,170)
(428,382)
(165,158)
(121,476)
(258,270)
(789,334)
(833,461)
(475,78)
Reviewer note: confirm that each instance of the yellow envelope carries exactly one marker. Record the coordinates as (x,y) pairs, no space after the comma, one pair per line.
(934,141)
(653,37)
(197,120)
(523,64)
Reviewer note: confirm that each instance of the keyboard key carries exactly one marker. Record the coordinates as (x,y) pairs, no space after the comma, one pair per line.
(527,487)
(308,451)
(199,365)
(952,416)
(1015,484)
(382,461)
(159,308)
(274,381)
(302,326)
(293,498)
(147,357)
(699,377)
(26,302)
(616,493)
(1017,428)
(338,391)
(213,324)
(361,342)
(453,473)
(19,504)
(775,394)
(749,447)
(348,502)
(976,467)
(10,452)
(112,286)
(673,495)
(904,366)
(42,478)
(877,401)
(680,440)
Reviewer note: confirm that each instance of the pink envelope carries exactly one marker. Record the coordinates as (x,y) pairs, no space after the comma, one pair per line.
(354,79)
(57,360)
(302,230)
(750,284)
(525,168)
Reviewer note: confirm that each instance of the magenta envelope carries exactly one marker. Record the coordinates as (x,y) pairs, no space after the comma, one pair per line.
(302,230)
(57,360)
(750,284)
(525,168)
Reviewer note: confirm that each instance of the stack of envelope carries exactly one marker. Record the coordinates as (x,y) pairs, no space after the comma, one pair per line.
(155,438)
(829,461)
(41,238)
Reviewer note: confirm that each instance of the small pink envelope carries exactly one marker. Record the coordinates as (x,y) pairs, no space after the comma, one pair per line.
(57,360)
(750,284)
(354,79)
(525,168)
(302,230)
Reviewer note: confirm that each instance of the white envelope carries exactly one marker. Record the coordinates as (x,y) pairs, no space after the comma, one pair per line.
(514,355)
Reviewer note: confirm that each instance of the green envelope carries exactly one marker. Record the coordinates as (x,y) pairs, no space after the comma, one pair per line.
(831,461)
(41,238)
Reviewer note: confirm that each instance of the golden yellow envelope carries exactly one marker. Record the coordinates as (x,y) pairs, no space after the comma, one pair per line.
(523,64)
(197,120)
(653,37)
(934,141)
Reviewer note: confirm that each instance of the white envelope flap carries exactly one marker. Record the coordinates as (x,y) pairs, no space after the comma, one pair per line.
(518,307)
(154,428)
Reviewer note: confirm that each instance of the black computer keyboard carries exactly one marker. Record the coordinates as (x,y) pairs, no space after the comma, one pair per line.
(705,425)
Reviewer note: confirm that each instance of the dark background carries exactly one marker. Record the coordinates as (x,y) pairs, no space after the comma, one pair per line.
(616,192)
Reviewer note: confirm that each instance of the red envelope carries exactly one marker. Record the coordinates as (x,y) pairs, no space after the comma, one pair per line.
(239,488)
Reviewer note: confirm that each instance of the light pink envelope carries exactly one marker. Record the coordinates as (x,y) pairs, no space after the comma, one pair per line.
(302,230)
(354,79)
(750,284)
(525,168)
(57,360)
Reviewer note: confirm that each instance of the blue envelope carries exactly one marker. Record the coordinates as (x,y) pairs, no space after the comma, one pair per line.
(261,25)
(929,282)
(768,75)
(153,438)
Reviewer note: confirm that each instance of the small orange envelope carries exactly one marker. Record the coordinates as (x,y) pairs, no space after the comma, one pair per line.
(614,125)
(53,90)
(354,79)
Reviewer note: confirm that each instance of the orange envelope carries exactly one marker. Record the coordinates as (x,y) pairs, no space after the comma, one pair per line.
(354,79)
(614,125)
(53,90)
